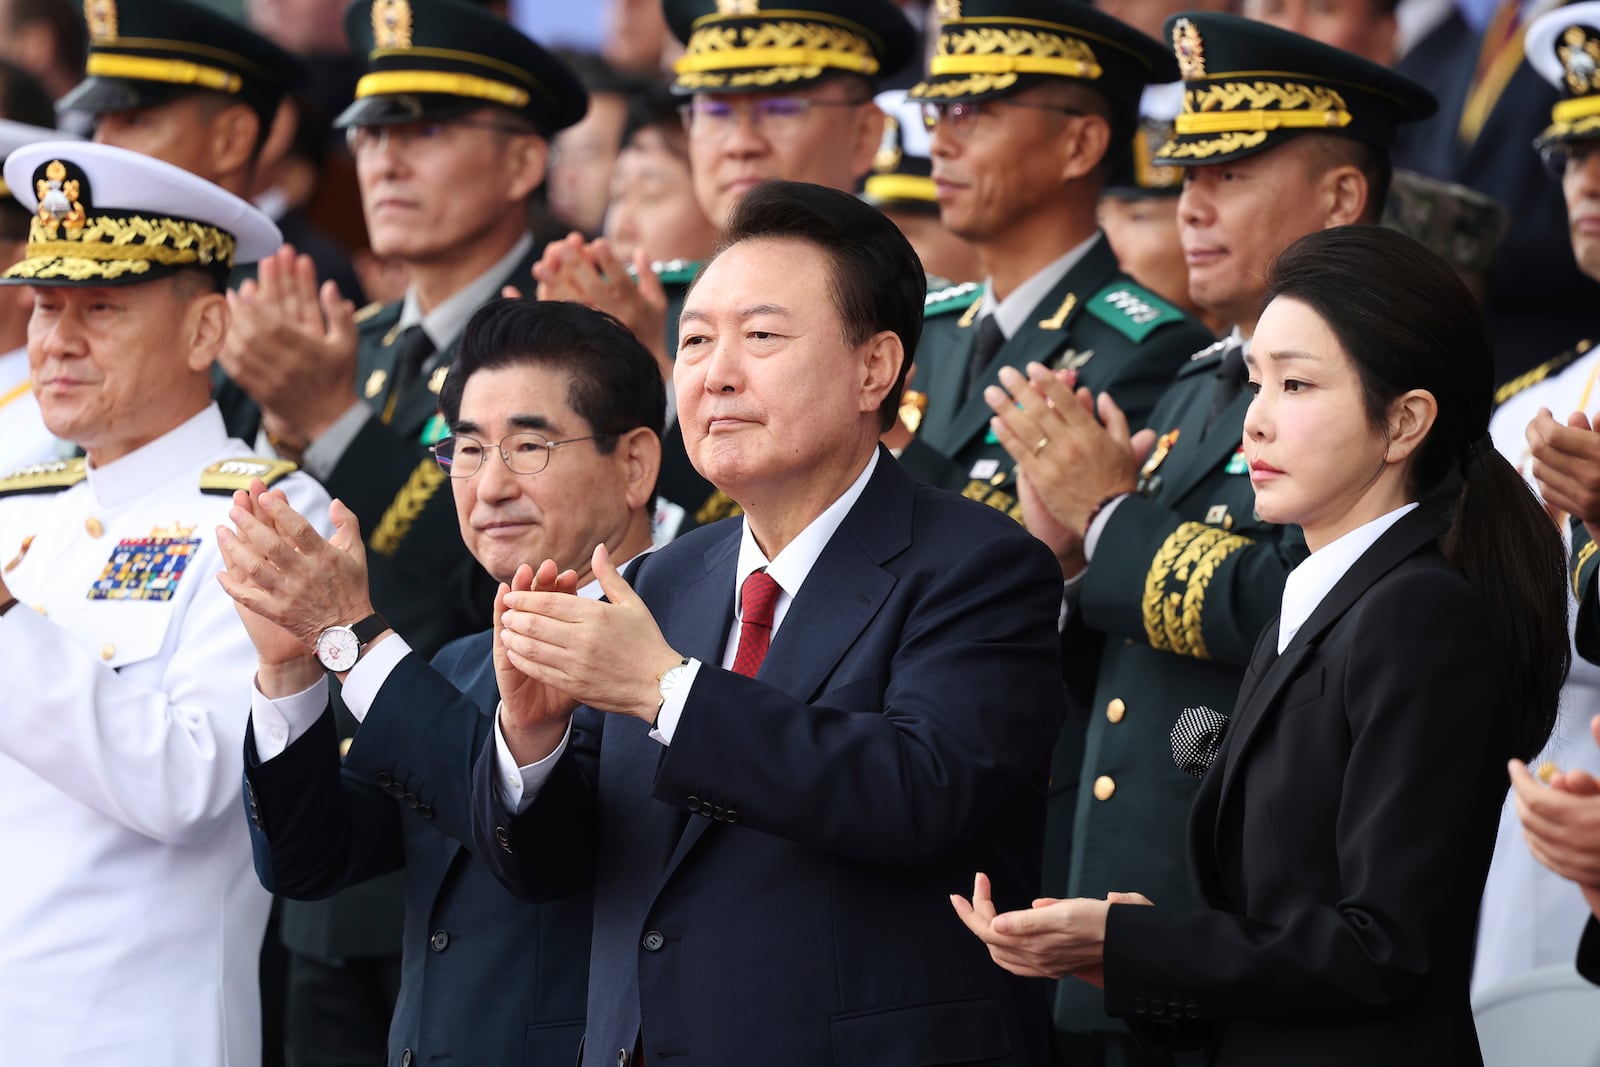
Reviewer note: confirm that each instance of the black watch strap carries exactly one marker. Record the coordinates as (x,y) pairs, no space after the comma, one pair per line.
(368,628)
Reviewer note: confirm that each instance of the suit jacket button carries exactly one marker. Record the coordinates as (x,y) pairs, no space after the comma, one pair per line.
(383,779)
(1175,1009)
(1193,1011)
(1104,786)
(623,1058)
(1116,710)
(1158,1009)
(717,814)
(406,1058)
(502,837)
(731,817)
(425,811)
(705,809)
(1139,1005)
(694,803)
(411,800)
(439,941)
(653,941)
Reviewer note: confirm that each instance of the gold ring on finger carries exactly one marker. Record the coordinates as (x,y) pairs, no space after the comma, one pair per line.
(1040,446)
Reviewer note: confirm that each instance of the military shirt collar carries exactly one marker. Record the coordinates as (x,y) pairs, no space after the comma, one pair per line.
(1014,310)
(171,459)
(444,323)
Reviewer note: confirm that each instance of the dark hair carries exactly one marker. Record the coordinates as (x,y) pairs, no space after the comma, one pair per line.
(616,383)
(67,26)
(877,282)
(657,109)
(1327,151)
(1406,321)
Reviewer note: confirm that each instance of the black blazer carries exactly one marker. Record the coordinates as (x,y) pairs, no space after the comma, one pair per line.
(487,978)
(1342,836)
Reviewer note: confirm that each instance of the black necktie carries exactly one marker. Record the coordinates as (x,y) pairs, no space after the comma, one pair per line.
(412,349)
(1230,383)
(988,341)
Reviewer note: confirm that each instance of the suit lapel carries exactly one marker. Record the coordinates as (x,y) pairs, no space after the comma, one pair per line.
(1045,331)
(1188,466)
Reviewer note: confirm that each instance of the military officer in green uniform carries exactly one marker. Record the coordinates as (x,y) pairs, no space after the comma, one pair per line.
(1031,103)
(450,131)
(773,90)
(1164,556)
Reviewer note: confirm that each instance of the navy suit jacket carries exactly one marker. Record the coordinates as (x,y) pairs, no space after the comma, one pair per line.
(487,978)
(774,886)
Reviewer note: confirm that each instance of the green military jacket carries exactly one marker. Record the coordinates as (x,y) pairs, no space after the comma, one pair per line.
(1121,339)
(1585,563)
(1183,580)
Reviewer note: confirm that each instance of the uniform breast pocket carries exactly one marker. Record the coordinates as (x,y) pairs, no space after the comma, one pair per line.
(126,635)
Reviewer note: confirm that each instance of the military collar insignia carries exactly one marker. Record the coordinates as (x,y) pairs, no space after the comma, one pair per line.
(63,198)
(391,24)
(1189,50)
(101,16)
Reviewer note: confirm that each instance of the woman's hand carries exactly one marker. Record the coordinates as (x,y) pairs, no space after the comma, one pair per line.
(1052,939)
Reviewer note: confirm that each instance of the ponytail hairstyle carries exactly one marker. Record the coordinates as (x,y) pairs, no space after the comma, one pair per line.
(1407,322)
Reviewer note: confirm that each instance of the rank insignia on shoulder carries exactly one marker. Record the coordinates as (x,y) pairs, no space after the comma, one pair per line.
(147,568)
(436,379)
(951,298)
(222,479)
(365,313)
(1133,311)
(48,477)
(1237,464)
(375,383)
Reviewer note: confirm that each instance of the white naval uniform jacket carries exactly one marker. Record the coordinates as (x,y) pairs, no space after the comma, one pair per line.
(130,915)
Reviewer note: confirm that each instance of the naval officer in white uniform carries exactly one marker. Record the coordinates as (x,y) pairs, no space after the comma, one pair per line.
(130,917)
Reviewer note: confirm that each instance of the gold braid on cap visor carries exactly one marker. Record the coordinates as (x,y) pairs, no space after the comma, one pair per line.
(106,247)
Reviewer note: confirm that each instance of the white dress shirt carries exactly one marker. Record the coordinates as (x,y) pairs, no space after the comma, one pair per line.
(23,436)
(1309,584)
(1013,311)
(130,914)
(519,785)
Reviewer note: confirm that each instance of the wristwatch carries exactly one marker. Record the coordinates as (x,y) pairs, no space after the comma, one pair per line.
(338,647)
(670,679)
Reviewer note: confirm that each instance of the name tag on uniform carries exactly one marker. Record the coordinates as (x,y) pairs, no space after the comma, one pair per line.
(146,568)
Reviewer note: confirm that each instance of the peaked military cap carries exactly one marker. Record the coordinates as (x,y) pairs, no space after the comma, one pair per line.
(990,48)
(1138,176)
(734,46)
(1564,47)
(108,216)
(1249,86)
(437,59)
(146,52)
(13,135)
(902,170)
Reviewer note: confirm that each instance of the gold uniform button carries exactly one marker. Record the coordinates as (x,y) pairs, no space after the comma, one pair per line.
(94,526)
(1104,786)
(1116,710)
(1547,770)
(108,650)
(40,609)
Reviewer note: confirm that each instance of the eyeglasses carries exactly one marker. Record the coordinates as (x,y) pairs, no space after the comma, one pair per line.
(778,117)
(525,453)
(1557,158)
(960,118)
(407,135)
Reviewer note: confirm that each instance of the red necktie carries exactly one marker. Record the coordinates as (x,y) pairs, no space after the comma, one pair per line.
(758,598)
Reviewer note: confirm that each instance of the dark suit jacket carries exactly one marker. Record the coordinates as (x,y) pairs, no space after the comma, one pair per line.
(1342,837)
(487,978)
(773,887)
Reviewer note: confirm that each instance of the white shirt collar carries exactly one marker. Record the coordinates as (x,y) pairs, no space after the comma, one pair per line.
(173,455)
(792,565)
(1311,582)
(1012,312)
(591,590)
(444,323)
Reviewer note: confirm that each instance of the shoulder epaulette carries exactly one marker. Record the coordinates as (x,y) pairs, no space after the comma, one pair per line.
(365,313)
(222,479)
(51,477)
(951,298)
(676,271)
(1538,374)
(1132,310)
(1203,361)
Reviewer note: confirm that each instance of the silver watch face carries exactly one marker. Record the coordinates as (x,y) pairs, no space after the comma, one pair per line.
(337,648)
(672,679)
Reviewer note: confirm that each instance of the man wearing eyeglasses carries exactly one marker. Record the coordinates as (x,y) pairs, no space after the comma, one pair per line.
(1030,103)
(555,413)
(784,93)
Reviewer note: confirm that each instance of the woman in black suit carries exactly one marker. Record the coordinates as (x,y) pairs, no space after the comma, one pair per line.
(1342,835)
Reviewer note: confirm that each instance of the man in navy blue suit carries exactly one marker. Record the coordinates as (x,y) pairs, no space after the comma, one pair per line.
(486,977)
(783,741)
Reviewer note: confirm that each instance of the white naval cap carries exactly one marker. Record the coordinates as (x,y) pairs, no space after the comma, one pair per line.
(108,216)
(1564,47)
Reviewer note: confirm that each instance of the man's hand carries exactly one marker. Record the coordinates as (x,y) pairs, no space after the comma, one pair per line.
(1071,460)
(293,347)
(285,664)
(1561,823)
(533,715)
(1051,939)
(606,655)
(592,274)
(1566,464)
(280,568)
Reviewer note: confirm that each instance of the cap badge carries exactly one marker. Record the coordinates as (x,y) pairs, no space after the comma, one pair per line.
(1189,50)
(1580,55)
(101,15)
(60,199)
(391,23)
(888,155)
(738,7)
(949,10)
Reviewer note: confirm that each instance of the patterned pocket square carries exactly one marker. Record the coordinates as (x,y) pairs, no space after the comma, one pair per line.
(1196,737)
